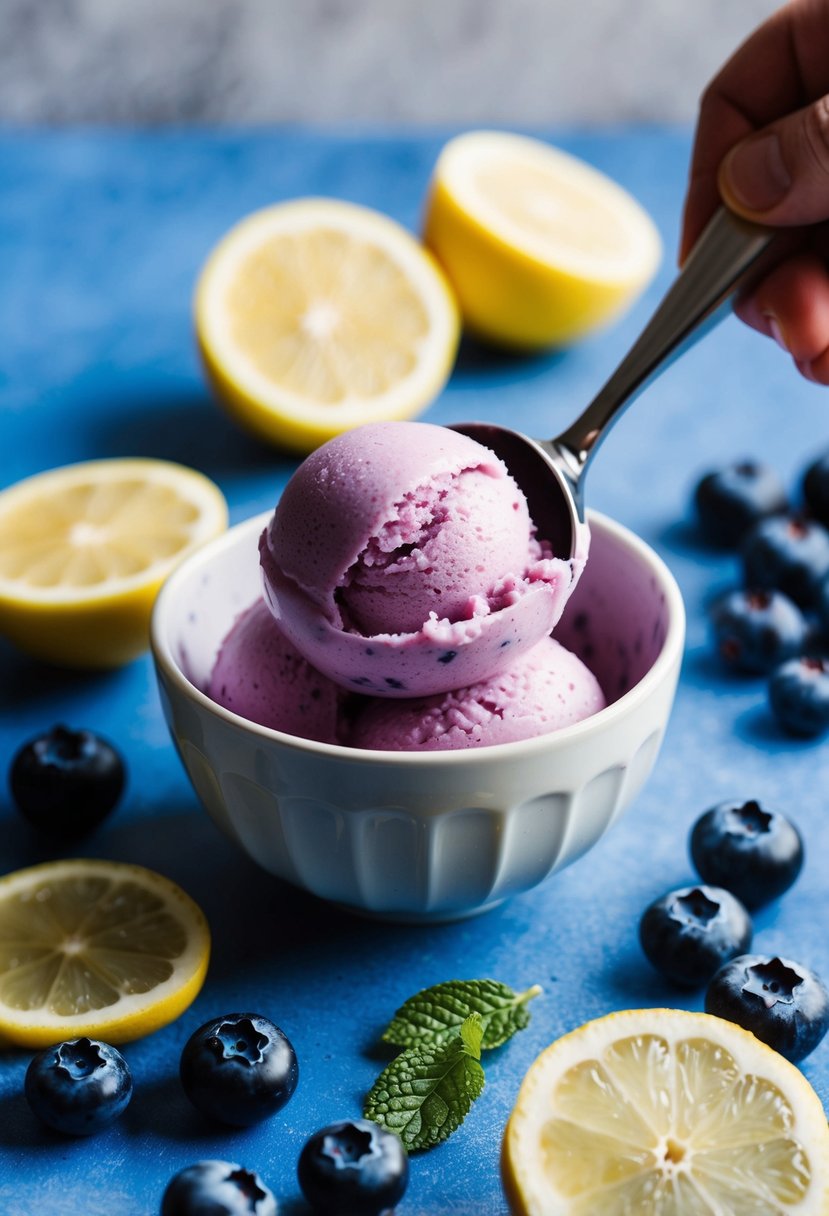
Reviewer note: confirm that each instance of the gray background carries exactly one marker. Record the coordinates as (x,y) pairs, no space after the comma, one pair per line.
(512,62)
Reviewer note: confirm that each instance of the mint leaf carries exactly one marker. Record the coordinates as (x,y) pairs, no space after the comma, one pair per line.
(435,1014)
(472,1035)
(427,1091)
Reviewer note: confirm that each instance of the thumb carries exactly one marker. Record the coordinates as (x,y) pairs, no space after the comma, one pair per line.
(780,175)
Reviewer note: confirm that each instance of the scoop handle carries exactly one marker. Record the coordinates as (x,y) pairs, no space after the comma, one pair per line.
(723,261)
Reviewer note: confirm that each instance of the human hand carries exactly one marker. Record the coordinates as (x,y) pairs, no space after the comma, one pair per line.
(762,147)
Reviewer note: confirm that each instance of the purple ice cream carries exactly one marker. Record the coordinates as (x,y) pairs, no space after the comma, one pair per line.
(261,676)
(401,561)
(544,690)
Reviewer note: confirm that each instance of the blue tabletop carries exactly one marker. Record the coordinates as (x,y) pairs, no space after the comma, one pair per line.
(101,238)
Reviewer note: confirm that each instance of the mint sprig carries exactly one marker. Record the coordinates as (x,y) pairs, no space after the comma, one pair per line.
(428,1090)
(434,1015)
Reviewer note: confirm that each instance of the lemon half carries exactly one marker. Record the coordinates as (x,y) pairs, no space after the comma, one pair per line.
(316,315)
(660,1112)
(540,247)
(84,549)
(96,948)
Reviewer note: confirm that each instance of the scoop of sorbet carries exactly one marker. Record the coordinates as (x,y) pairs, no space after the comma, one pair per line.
(546,689)
(401,561)
(260,675)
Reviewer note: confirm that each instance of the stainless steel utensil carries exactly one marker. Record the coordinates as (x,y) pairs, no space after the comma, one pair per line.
(725,259)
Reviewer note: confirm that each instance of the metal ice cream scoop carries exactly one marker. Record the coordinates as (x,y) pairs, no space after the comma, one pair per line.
(551,471)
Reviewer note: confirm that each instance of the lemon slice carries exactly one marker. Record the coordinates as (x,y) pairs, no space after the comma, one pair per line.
(85,548)
(315,316)
(96,948)
(659,1112)
(540,247)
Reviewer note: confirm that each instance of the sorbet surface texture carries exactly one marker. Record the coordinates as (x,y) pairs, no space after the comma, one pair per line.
(261,676)
(401,561)
(546,689)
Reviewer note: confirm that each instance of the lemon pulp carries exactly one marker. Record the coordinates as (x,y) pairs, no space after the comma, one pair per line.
(540,247)
(685,1115)
(316,315)
(297,317)
(558,216)
(92,534)
(696,1130)
(84,549)
(97,948)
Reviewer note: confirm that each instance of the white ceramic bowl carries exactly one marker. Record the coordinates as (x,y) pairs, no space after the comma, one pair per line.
(425,836)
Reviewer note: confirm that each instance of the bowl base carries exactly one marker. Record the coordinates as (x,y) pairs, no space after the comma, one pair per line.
(418,918)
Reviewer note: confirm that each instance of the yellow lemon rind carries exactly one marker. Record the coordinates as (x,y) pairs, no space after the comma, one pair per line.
(514,292)
(276,414)
(99,627)
(589,1039)
(31,1029)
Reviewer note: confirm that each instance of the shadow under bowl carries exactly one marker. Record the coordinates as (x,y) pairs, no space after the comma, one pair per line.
(414,836)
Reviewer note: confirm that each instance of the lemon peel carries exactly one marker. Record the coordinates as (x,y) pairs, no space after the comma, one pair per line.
(98,948)
(84,549)
(541,248)
(660,1111)
(316,315)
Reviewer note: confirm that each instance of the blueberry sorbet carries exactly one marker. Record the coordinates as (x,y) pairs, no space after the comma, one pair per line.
(407,603)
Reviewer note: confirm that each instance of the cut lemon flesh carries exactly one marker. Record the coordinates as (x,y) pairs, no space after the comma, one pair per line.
(96,948)
(540,247)
(316,315)
(84,549)
(660,1112)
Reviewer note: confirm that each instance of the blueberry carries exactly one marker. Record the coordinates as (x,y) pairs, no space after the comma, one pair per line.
(217,1188)
(789,554)
(781,1002)
(821,610)
(816,488)
(753,852)
(66,781)
(79,1086)
(799,695)
(731,500)
(354,1168)
(755,631)
(690,932)
(239,1069)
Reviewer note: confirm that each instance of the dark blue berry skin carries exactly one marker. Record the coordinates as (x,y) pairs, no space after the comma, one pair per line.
(217,1188)
(821,612)
(66,781)
(799,696)
(78,1087)
(354,1168)
(753,852)
(690,932)
(729,501)
(787,553)
(239,1069)
(756,631)
(816,488)
(781,1002)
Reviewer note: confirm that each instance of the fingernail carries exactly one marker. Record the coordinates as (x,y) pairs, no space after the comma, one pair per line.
(755,172)
(775,330)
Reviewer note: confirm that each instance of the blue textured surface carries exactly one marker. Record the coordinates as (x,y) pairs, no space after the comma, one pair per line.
(101,237)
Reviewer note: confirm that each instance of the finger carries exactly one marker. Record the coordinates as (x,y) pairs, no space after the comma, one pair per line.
(759,82)
(816,370)
(781,175)
(792,305)
(780,68)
